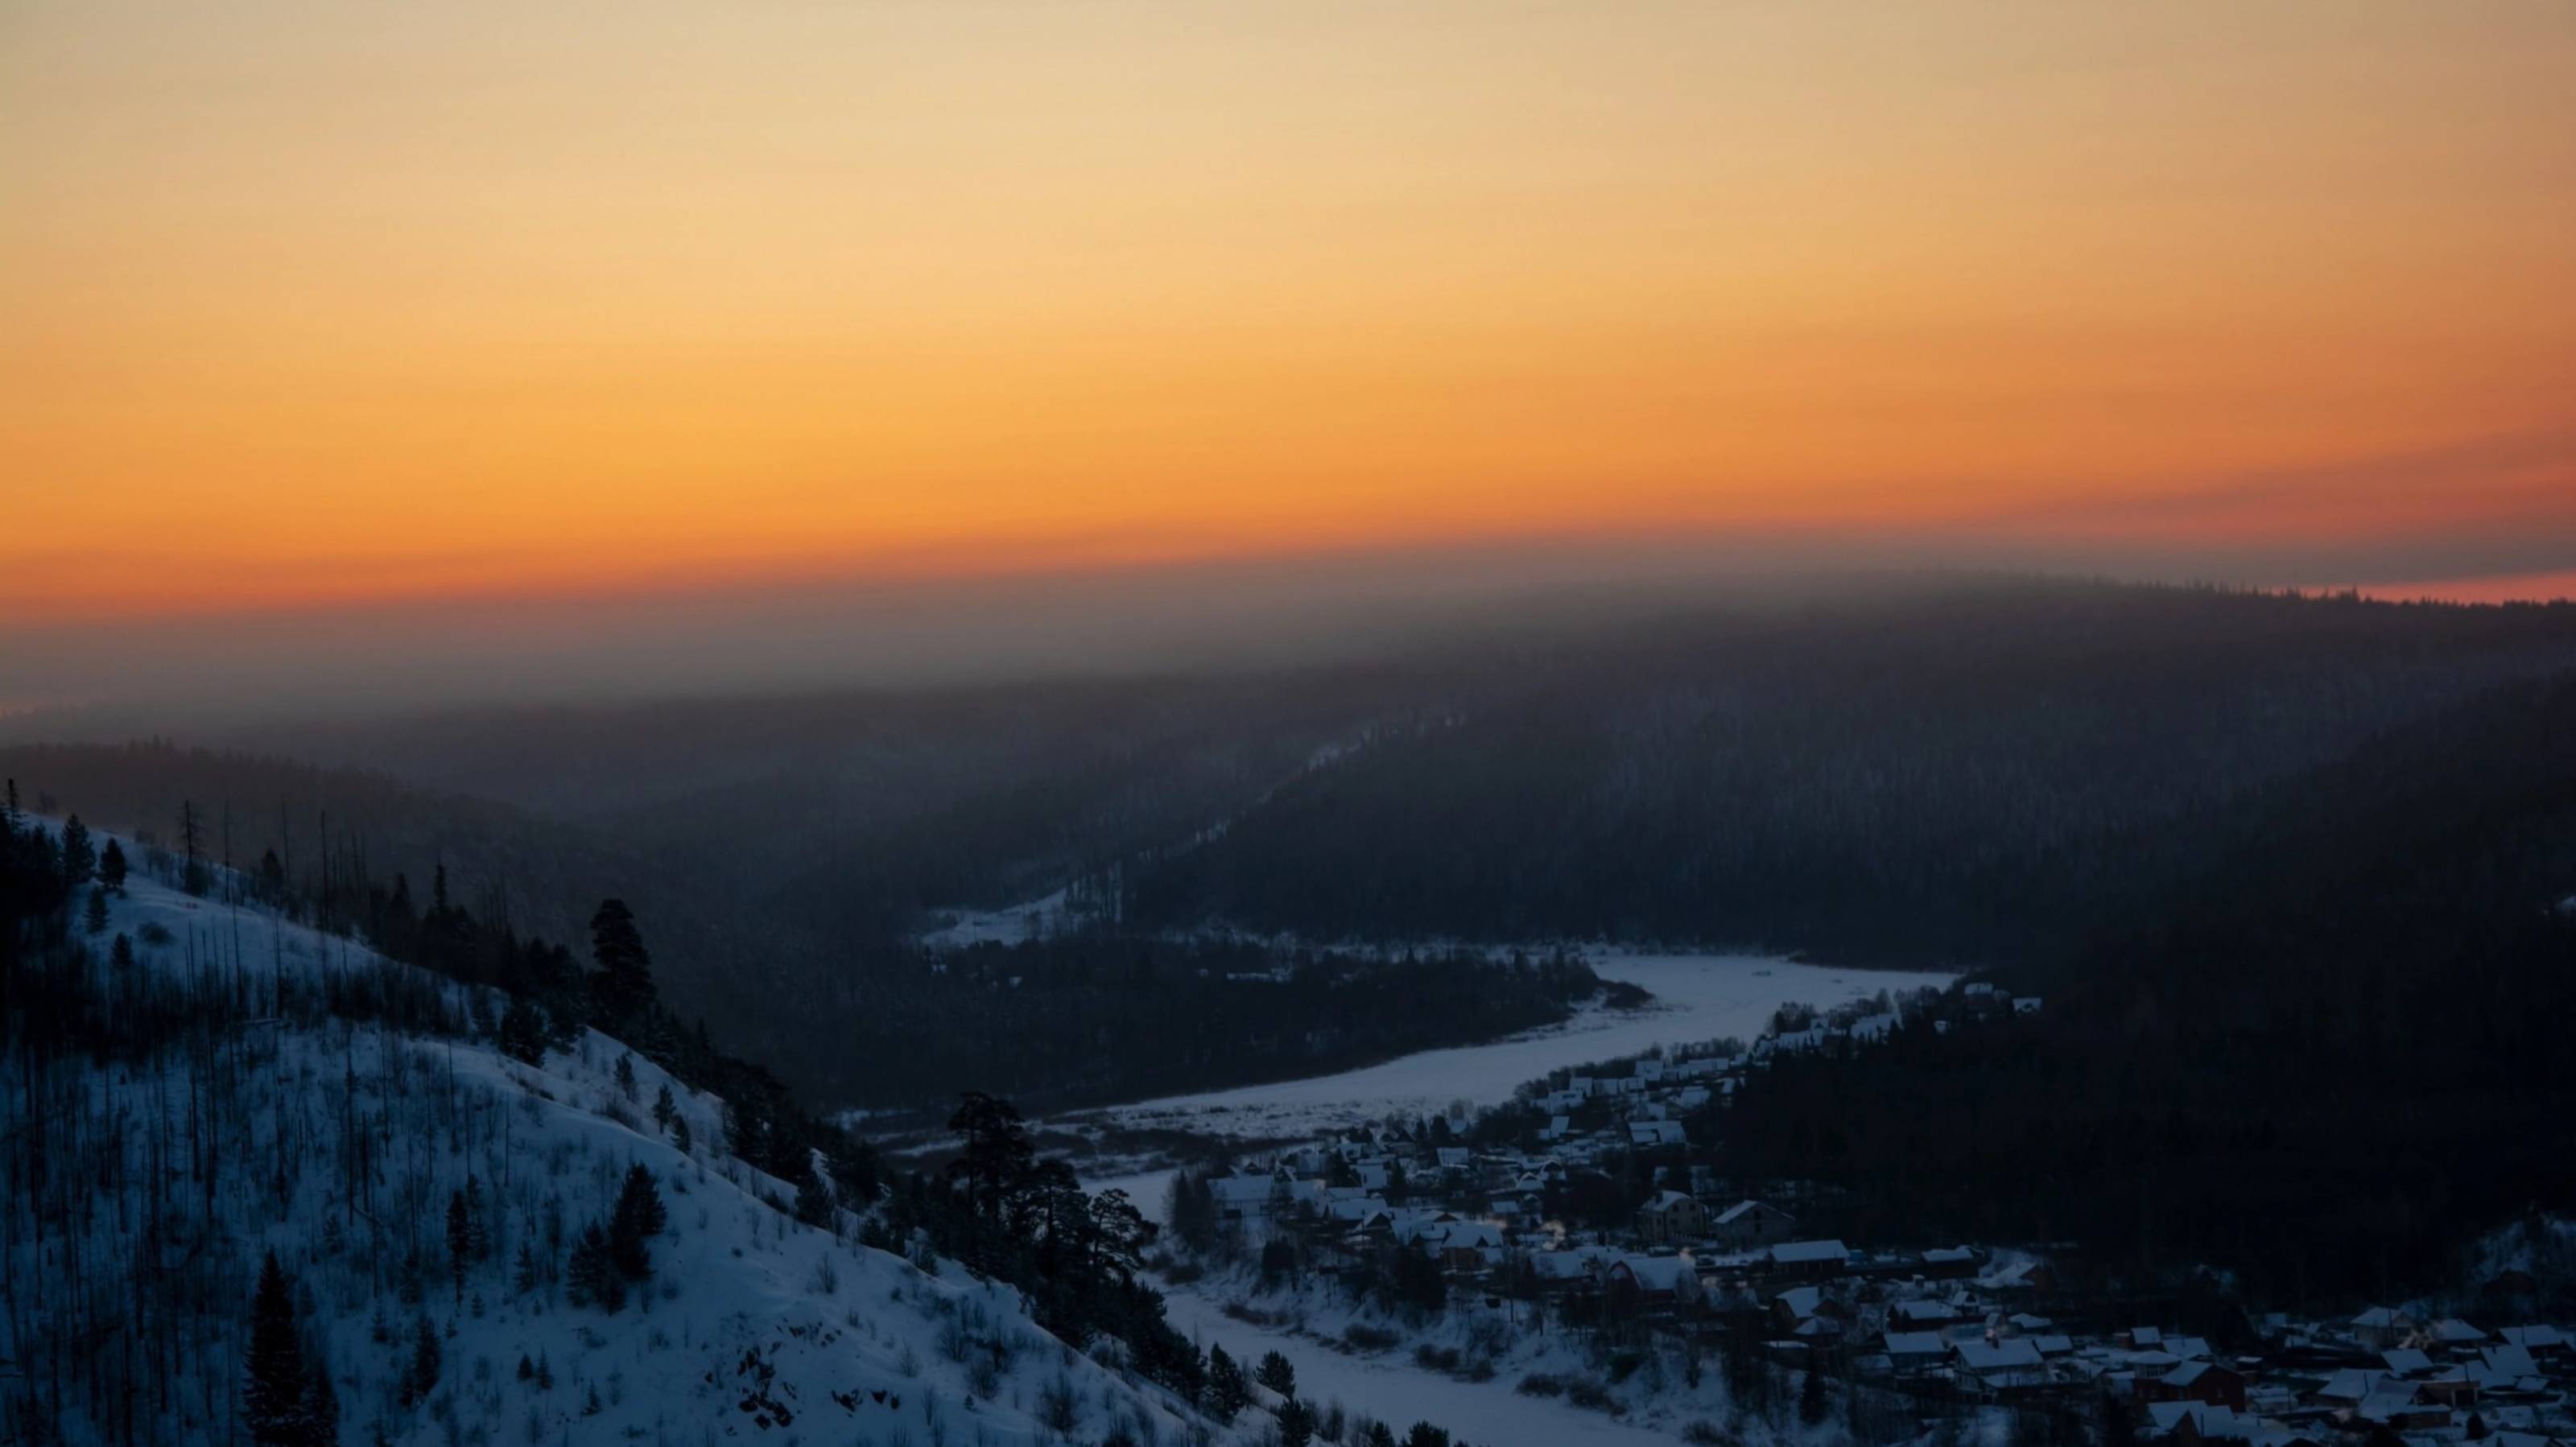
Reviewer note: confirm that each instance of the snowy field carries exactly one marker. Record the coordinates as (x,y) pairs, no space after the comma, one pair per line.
(1697,997)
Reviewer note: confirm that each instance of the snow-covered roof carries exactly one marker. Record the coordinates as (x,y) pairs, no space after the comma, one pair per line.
(1663,1273)
(1982,1356)
(2406,1361)
(1788,1252)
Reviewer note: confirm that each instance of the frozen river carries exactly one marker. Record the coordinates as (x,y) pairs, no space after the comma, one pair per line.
(1697,997)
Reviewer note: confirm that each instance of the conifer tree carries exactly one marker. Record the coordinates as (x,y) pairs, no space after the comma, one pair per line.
(1277,1373)
(121,953)
(273,1392)
(665,1110)
(1228,1393)
(623,988)
(96,917)
(638,1218)
(1296,1423)
(523,1033)
(80,856)
(192,844)
(322,1405)
(426,1363)
(1811,1398)
(111,866)
(460,1241)
(591,1277)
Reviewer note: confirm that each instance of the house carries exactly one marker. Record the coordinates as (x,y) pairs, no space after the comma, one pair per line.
(1751,1223)
(1950,1261)
(2026,1004)
(1797,1306)
(2198,1422)
(2401,1411)
(2450,1331)
(1656,1133)
(1814,1260)
(2535,1339)
(1563,1273)
(1245,1197)
(1651,1283)
(1470,1246)
(2204,1382)
(1911,1352)
(1923,1314)
(2003,1366)
(2380,1328)
(1671,1216)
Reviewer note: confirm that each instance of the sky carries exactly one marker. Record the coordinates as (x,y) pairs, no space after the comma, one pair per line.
(446,312)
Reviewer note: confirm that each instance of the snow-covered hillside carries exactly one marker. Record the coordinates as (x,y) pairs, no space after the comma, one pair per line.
(143,1193)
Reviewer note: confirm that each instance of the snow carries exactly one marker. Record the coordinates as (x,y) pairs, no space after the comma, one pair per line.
(1697,998)
(1394,1390)
(1027,920)
(752,1327)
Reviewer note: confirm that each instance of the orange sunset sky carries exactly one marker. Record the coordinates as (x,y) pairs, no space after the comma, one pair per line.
(305,303)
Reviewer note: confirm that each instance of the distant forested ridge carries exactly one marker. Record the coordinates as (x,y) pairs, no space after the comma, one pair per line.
(2325,1056)
(1956,778)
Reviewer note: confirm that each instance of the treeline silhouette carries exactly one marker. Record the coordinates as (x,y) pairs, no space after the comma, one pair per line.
(2326,1059)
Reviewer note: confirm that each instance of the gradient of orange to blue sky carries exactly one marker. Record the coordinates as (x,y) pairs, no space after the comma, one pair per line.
(303,303)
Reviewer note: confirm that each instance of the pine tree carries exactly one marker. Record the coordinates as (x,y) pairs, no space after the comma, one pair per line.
(665,1110)
(80,857)
(625,1075)
(1277,1373)
(111,866)
(426,1362)
(623,988)
(192,843)
(322,1406)
(97,914)
(680,1133)
(591,1277)
(523,1032)
(1296,1423)
(523,1276)
(460,1245)
(527,1369)
(1426,1435)
(121,953)
(273,1392)
(1228,1393)
(638,1218)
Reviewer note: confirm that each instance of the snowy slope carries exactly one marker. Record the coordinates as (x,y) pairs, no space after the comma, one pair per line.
(339,1146)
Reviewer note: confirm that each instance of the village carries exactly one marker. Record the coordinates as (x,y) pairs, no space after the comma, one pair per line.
(1578,1209)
